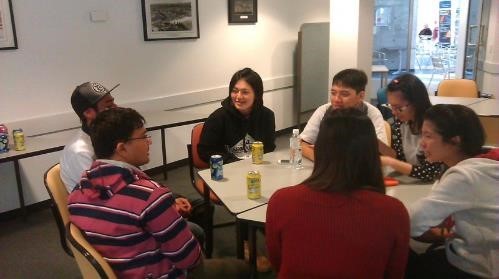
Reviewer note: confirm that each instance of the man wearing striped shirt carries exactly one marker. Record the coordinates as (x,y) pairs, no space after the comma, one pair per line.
(130,219)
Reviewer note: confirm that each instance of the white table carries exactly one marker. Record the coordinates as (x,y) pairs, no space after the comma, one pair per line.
(34,146)
(436,100)
(407,194)
(232,189)
(487,107)
(251,214)
(52,142)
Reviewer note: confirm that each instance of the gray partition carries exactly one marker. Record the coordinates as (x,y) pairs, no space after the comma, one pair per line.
(312,66)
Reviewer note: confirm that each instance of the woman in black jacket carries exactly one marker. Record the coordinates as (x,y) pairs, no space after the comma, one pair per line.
(242,120)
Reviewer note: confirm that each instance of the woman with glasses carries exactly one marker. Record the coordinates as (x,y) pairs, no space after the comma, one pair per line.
(242,119)
(468,192)
(339,223)
(408,100)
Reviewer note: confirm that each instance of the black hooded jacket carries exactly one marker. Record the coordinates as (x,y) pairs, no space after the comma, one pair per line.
(226,131)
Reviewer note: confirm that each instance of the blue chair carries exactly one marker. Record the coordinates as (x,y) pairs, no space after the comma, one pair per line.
(381,95)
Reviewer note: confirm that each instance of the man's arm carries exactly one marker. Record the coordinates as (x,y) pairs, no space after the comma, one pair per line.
(170,230)
(309,134)
(429,216)
(307,150)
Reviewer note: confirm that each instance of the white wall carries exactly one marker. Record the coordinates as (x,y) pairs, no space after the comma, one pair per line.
(351,38)
(59,48)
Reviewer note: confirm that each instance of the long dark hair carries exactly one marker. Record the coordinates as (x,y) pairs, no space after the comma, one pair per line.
(457,120)
(346,154)
(414,91)
(253,79)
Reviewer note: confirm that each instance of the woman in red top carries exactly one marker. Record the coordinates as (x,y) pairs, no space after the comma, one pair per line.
(339,223)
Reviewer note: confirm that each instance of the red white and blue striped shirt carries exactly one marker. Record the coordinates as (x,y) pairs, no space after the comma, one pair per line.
(131,220)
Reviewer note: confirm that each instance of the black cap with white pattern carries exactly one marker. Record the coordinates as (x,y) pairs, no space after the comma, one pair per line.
(87,95)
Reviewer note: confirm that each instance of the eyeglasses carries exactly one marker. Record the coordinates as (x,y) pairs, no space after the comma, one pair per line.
(398,109)
(148,137)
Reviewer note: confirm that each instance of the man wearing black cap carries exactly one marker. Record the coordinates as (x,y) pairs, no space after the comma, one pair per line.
(87,100)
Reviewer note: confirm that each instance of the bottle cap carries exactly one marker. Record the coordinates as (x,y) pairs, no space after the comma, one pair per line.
(296,132)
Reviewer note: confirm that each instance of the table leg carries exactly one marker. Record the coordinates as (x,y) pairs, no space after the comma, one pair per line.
(252,250)
(20,189)
(399,70)
(247,231)
(163,149)
(239,239)
(384,79)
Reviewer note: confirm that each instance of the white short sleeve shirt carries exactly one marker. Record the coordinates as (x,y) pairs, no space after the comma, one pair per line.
(311,130)
(76,158)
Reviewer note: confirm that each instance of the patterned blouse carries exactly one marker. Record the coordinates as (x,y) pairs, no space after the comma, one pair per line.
(425,170)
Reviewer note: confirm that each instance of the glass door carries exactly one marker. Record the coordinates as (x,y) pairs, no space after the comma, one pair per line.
(434,39)
(475,39)
(391,27)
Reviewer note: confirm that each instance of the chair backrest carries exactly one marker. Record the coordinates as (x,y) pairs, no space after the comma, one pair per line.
(195,163)
(388,129)
(381,95)
(90,262)
(59,196)
(195,137)
(458,88)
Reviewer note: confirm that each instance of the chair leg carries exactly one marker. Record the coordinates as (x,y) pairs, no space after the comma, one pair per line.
(417,61)
(62,230)
(202,214)
(430,79)
(209,240)
(240,227)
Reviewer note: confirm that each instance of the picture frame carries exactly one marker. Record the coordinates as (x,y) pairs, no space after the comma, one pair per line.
(243,11)
(170,19)
(8,39)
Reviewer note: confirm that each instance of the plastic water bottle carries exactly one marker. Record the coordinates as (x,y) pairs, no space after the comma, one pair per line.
(295,157)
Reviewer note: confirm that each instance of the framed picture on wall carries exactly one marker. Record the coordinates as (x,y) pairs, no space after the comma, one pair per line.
(8,38)
(243,11)
(170,19)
